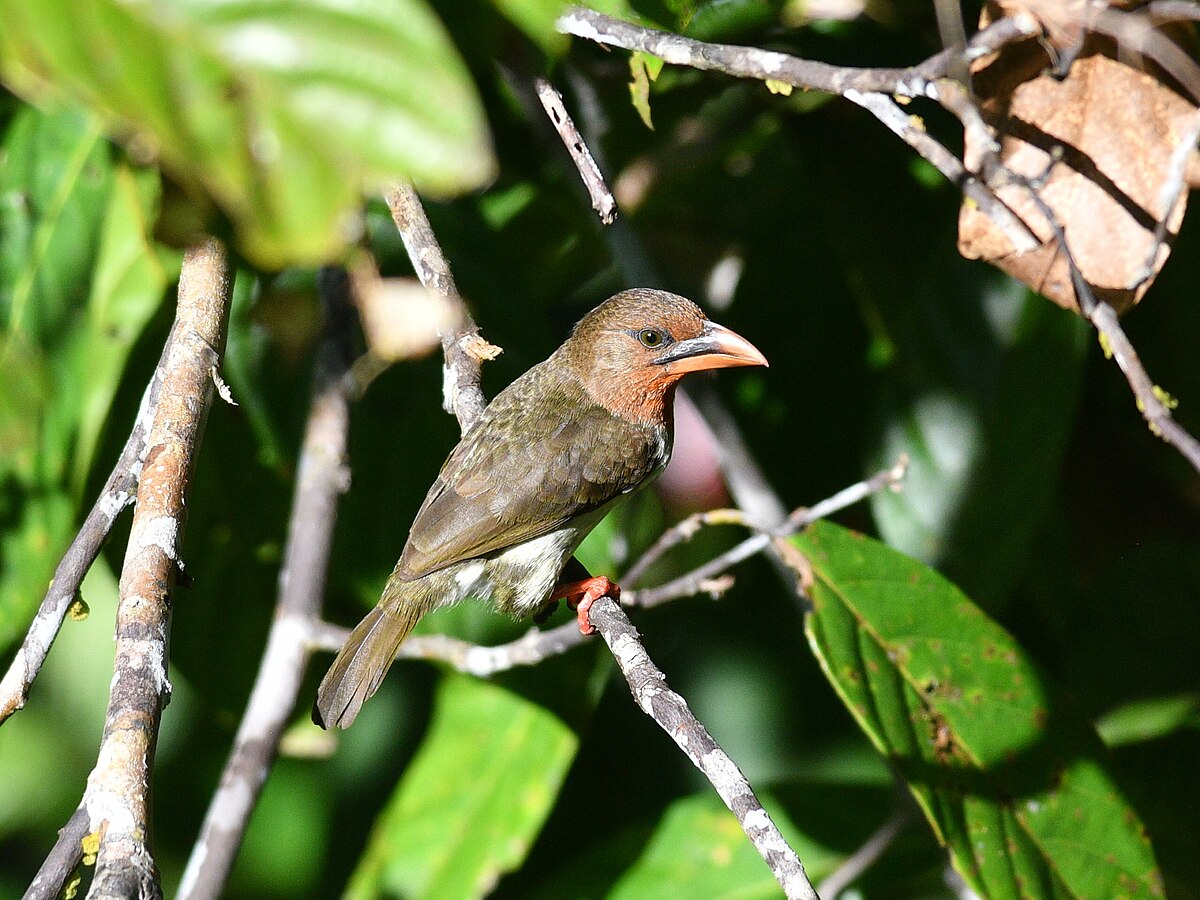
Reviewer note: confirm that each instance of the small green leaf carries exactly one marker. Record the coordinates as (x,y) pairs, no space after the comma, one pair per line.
(639,87)
(282,113)
(699,850)
(1148,720)
(473,799)
(1011,779)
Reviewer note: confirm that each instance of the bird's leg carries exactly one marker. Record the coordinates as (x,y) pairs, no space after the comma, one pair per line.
(580,595)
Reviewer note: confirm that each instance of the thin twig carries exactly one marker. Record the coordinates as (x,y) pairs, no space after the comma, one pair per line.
(870,88)
(764,65)
(1152,401)
(119,492)
(462,345)
(903,126)
(321,478)
(117,795)
(649,688)
(62,859)
(602,199)
(868,854)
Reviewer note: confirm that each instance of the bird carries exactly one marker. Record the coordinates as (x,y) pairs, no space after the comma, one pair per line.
(549,457)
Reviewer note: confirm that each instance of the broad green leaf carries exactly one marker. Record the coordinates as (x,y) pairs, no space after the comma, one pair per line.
(699,850)
(983,405)
(58,183)
(55,177)
(281,113)
(1011,780)
(473,799)
(127,287)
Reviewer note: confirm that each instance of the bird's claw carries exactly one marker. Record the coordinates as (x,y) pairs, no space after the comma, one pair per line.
(582,594)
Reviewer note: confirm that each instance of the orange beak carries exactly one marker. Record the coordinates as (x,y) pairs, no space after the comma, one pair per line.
(716,347)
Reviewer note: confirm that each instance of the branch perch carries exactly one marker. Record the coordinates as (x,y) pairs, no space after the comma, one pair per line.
(117,795)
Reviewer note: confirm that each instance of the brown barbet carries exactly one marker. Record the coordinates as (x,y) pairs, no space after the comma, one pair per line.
(547,460)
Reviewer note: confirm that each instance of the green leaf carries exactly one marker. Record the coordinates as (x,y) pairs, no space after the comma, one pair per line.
(1148,720)
(281,113)
(68,212)
(1012,781)
(55,182)
(128,284)
(699,850)
(639,85)
(473,799)
(536,18)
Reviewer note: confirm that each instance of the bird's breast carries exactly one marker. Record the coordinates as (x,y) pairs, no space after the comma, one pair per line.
(519,579)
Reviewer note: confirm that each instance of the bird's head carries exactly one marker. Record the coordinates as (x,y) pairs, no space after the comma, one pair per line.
(631,350)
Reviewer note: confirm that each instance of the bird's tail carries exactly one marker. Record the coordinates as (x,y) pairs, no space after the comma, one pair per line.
(361,664)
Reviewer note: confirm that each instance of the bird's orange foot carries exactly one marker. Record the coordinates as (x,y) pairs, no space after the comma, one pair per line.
(580,596)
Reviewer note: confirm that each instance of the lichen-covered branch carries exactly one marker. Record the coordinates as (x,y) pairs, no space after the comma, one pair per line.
(320,479)
(117,794)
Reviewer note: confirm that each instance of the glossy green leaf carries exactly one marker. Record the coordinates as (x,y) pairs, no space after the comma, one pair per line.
(281,113)
(699,850)
(982,405)
(473,799)
(79,279)
(1013,782)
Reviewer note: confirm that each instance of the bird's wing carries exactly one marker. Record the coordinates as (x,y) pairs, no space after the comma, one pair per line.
(543,454)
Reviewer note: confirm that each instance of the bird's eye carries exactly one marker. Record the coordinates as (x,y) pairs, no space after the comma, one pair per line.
(651,337)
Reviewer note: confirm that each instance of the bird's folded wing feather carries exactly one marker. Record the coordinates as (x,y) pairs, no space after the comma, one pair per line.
(543,454)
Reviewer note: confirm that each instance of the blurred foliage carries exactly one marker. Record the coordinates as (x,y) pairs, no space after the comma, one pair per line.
(799,222)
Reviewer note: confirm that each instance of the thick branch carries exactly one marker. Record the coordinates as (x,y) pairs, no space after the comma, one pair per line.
(671,712)
(118,493)
(117,795)
(321,478)
(464,349)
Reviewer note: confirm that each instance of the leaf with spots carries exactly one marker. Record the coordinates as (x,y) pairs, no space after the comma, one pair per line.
(1012,780)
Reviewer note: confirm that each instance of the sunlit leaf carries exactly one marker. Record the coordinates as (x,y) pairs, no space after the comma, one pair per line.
(473,799)
(1011,780)
(536,18)
(281,113)
(699,850)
